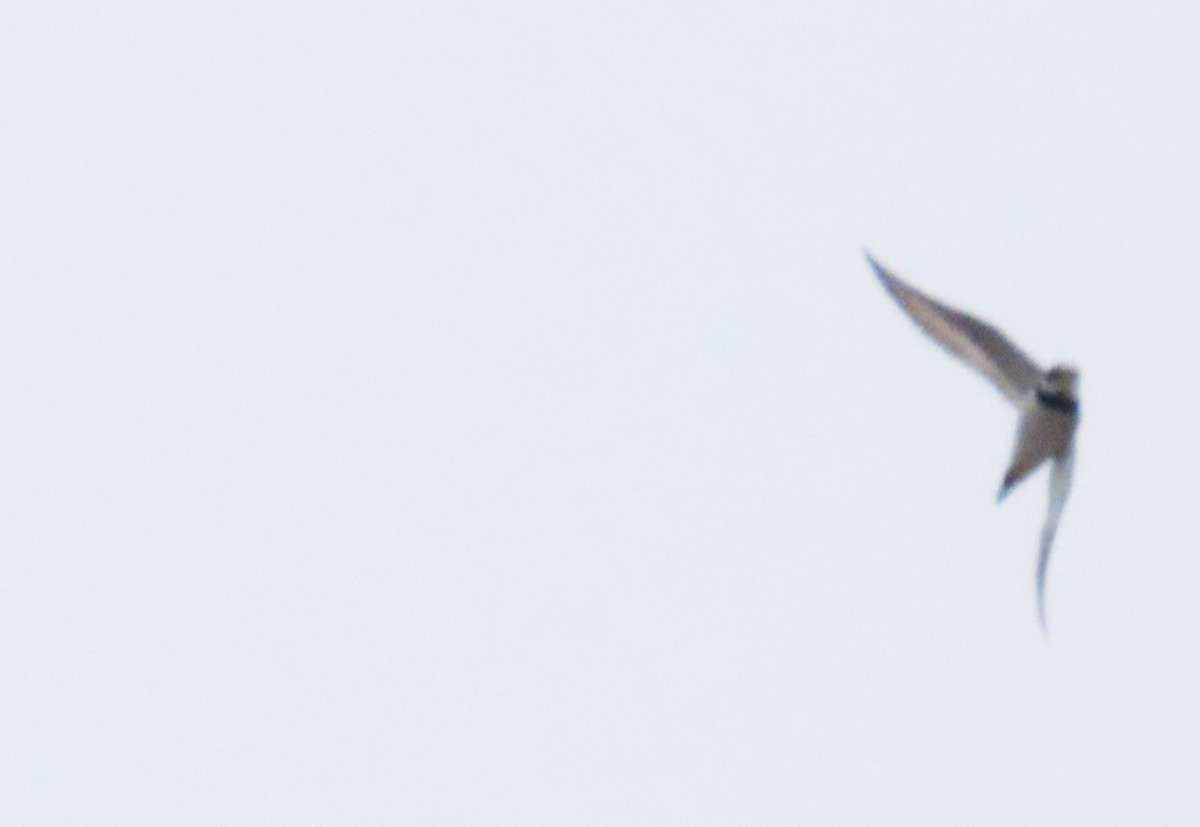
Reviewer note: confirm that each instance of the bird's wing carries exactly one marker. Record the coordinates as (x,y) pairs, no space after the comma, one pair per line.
(1060,486)
(977,343)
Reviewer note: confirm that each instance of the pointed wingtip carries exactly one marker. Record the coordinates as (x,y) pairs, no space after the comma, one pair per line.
(881,272)
(1041,594)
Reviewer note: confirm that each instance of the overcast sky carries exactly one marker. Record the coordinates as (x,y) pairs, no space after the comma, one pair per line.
(466,413)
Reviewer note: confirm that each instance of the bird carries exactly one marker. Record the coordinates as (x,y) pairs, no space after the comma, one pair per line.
(1047,401)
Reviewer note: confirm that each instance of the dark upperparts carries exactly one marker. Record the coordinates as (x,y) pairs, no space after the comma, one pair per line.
(1058,402)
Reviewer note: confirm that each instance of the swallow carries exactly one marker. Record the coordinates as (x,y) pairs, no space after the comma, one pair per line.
(1047,401)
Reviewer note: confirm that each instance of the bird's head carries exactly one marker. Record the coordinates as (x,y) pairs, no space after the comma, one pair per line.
(1061,381)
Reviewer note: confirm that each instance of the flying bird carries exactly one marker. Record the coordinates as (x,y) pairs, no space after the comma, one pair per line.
(1047,400)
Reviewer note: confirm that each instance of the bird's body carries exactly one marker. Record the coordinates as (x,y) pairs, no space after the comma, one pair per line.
(1043,433)
(1047,401)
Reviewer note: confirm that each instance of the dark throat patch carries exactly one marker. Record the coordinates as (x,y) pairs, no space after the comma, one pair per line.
(1057,402)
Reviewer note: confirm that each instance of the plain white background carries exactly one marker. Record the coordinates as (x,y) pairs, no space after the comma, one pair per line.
(461,413)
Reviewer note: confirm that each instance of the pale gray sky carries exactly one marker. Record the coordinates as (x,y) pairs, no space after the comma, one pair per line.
(462,413)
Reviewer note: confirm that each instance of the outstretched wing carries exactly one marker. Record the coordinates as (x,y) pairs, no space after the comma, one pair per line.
(977,343)
(1060,486)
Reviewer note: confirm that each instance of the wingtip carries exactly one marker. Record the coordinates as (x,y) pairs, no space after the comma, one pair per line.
(881,272)
(1041,596)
